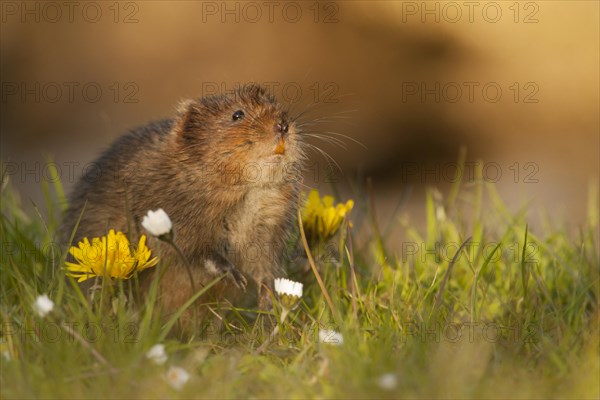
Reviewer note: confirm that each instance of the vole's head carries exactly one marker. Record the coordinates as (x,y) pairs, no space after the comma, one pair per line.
(247,128)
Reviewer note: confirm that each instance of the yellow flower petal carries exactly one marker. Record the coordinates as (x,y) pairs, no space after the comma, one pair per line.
(111,255)
(321,217)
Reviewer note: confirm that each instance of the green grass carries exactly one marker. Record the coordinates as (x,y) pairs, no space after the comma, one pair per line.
(513,313)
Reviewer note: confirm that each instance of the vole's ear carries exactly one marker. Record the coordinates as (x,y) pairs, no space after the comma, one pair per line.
(189,120)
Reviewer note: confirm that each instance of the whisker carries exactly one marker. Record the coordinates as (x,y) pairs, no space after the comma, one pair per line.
(312,106)
(304,185)
(325,120)
(330,140)
(336,134)
(331,117)
(352,110)
(326,155)
(308,108)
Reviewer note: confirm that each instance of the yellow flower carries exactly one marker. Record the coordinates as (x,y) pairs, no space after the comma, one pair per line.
(321,218)
(109,255)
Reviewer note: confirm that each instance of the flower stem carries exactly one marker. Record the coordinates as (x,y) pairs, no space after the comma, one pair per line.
(314,268)
(186,262)
(188,268)
(282,317)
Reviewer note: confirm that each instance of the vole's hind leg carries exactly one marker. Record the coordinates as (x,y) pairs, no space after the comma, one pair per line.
(217,264)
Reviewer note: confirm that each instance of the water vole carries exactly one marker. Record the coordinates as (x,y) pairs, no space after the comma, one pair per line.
(226,169)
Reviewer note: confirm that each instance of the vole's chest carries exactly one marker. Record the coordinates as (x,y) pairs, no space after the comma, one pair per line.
(258,218)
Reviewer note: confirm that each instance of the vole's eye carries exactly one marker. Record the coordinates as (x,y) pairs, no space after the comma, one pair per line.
(239,114)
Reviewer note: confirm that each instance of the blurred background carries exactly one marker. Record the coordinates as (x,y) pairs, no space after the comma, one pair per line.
(515,83)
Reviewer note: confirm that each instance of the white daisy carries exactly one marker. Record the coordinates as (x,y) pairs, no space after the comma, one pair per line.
(157,354)
(177,377)
(157,223)
(387,381)
(43,305)
(286,286)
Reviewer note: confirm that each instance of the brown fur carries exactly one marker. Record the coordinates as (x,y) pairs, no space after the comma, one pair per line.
(228,194)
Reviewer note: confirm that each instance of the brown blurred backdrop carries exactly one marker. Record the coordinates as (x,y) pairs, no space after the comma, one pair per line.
(517,83)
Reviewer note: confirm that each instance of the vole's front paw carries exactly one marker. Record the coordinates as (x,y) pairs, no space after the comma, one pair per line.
(218,264)
(238,278)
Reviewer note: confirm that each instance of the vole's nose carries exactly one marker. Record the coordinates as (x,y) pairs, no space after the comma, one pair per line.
(281,127)
(281,130)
